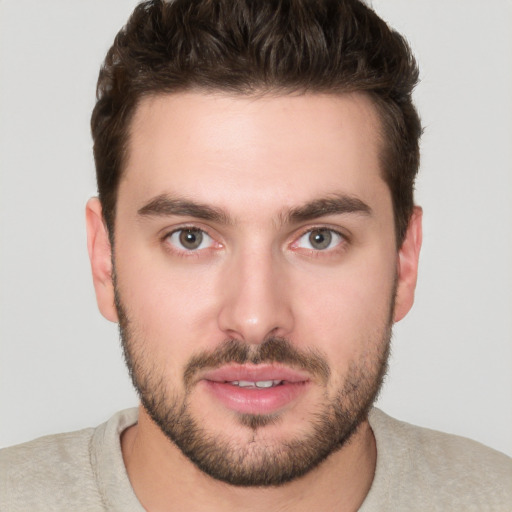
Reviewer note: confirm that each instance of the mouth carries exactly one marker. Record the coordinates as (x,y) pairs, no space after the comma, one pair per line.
(261,384)
(255,389)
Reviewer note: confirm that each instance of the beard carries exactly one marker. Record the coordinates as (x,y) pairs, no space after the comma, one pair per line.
(253,463)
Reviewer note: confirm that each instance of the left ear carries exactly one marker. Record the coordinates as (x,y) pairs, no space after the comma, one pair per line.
(408,258)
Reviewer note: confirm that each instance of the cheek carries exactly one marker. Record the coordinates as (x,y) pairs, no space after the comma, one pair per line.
(350,313)
(169,307)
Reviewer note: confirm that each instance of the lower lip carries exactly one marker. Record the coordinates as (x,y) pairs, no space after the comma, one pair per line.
(255,400)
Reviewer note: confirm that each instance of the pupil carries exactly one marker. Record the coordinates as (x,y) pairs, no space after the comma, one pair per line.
(191,239)
(320,239)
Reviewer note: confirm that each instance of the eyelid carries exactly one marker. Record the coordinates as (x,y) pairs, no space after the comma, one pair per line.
(336,230)
(168,232)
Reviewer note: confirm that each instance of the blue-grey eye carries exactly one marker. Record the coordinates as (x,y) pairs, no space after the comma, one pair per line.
(190,239)
(319,239)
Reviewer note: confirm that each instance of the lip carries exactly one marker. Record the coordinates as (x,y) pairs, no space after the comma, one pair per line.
(217,384)
(255,373)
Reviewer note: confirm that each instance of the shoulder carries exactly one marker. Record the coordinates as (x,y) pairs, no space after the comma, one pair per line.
(448,471)
(54,473)
(38,473)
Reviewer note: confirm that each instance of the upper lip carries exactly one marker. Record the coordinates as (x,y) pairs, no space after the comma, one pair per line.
(254,373)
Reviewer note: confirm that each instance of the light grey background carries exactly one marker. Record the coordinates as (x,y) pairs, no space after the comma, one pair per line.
(60,362)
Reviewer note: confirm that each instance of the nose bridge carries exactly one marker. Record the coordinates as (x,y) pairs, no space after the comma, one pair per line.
(255,304)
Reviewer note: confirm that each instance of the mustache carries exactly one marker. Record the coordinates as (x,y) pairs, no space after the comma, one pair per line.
(272,350)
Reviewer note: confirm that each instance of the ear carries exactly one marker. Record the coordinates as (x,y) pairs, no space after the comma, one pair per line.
(408,258)
(100,255)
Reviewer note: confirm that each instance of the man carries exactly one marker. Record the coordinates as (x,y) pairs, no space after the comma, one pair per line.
(255,237)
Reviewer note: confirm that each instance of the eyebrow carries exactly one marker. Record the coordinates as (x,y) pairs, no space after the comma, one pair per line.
(335,204)
(164,206)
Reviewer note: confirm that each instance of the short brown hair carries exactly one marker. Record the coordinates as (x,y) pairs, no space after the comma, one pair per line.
(254,46)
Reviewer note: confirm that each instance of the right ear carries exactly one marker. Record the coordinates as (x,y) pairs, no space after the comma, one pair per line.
(100,256)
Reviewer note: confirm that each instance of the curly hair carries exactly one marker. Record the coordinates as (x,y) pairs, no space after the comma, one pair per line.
(249,47)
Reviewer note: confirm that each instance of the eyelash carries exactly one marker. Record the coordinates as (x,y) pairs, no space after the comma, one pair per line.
(341,246)
(184,252)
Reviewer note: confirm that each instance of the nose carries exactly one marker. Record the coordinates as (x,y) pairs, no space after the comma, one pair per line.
(255,299)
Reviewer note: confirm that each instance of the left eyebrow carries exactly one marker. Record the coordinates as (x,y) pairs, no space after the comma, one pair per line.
(335,204)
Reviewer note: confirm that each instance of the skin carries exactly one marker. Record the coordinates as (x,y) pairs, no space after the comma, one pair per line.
(254,160)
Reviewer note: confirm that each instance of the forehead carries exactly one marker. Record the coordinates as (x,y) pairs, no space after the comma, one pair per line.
(271,149)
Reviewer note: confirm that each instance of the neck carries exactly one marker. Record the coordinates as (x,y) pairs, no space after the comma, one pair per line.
(164,479)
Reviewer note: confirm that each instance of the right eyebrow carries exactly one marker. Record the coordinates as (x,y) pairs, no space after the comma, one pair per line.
(165,205)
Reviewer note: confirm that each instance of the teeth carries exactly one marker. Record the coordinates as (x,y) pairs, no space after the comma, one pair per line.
(264,384)
(259,384)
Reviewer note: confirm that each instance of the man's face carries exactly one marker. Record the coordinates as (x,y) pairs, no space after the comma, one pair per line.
(256,272)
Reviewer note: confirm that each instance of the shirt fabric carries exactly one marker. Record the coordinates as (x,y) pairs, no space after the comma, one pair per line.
(417,470)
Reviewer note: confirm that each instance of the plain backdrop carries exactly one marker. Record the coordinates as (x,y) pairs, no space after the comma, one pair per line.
(60,362)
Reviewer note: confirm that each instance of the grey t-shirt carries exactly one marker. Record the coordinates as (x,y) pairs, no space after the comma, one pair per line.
(417,470)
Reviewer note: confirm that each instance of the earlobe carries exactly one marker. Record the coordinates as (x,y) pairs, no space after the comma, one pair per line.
(100,256)
(408,259)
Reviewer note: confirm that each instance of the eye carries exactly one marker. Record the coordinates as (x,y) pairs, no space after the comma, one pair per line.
(319,239)
(190,239)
